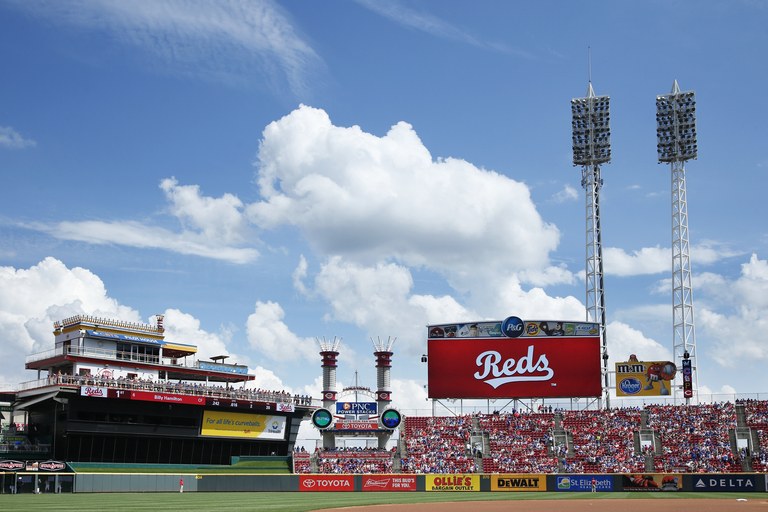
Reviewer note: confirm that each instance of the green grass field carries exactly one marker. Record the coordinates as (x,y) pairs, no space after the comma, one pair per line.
(301,502)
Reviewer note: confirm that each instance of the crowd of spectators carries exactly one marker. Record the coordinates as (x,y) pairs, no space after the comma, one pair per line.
(438,444)
(757,419)
(180,387)
(301,461)
(344,460)
(695,438)
(603,441)
(520,442)
(354,460)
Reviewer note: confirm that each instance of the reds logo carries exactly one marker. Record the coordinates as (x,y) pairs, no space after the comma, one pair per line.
(494,372)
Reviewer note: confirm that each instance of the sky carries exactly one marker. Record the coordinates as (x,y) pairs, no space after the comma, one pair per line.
(270,174)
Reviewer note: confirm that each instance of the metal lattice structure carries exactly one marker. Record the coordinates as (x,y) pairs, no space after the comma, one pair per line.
(677,142)
(591,148)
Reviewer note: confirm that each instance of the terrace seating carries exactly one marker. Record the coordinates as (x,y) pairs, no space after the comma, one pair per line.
(437,445)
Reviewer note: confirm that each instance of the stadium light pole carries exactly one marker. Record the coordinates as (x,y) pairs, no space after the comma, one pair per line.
(676,143)
(591,148)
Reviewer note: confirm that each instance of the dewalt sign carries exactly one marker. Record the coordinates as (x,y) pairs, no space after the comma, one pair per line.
(518,482)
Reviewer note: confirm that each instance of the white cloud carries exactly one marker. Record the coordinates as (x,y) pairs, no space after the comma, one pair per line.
(220,41)
(648,260)
(216,219)
(433,25)
(658,260)
(736,316)
(624,340)
(410,397)
(211,227)
(567,194)
(32,299)
(372,198)
(270,336)
(185,328)
(299,274)
(11,139)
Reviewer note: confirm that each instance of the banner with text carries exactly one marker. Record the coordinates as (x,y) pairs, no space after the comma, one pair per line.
(326,483)
(644,378)
(583,483)
(521,482)
(452,482)
(514,368)
(234,424)
(389,483)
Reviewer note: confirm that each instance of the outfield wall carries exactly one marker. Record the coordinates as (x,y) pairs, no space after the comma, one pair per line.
(28,482)
(645,482)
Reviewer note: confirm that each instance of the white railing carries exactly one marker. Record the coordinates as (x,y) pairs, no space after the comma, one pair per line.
(112,355)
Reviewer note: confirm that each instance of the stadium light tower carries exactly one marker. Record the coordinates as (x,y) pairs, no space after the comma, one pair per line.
(676,143)
(591,148)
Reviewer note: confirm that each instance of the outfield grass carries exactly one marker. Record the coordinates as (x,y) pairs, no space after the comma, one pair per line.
(302,502)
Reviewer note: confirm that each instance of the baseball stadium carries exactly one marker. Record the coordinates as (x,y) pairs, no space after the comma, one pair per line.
(116,408)
(116,411)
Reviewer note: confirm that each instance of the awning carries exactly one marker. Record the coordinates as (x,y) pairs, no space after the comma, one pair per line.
(33,401)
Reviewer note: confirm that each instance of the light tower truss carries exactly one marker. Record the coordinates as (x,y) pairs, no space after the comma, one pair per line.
(591,148)
(676,143)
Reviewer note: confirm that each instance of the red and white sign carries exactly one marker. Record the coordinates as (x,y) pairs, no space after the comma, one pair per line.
(330,483)
(94,391)
(151,396)
(389,482)
(514,367)
(356,425)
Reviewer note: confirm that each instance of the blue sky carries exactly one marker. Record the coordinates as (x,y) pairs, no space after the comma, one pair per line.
(265,174)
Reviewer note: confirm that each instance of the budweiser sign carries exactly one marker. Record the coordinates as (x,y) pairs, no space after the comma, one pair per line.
(525,367)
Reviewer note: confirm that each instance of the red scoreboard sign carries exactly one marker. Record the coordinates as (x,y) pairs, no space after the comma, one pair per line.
(514,359)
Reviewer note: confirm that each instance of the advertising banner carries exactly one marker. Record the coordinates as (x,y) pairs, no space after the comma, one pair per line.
(644,378)
(687,379)
(543,367)
(452,482)
(389,483)
(583,483)
(518,482)
(326,483)
(356,408)
(728,483)
(356,425)
(651,482)
(235,424)
(11,465)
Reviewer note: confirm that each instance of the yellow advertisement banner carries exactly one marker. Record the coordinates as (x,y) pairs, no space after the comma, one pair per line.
(518,483)
(644,378)
(235,424)
(452,482)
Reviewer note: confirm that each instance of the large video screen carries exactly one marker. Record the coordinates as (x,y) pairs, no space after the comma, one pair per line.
(235,424)
(514,359)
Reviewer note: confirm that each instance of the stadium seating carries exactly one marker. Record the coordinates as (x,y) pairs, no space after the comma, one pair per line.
(693,438)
